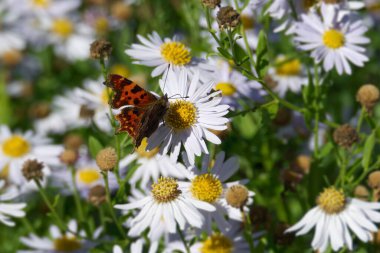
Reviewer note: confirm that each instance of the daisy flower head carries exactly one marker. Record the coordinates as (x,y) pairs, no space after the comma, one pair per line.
(332,39)
(58,242)
(210,185)
(165,206)
(194,110)
(151,165)
(158,53)
(288,74)
(8,209)
(334,217)
(16,148)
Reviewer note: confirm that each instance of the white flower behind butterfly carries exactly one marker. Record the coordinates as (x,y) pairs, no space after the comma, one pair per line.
(193,113)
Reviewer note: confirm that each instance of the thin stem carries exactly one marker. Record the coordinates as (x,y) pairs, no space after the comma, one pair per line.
(248,230)
(183,239)
(248,49)
(76,195)
(361,117)
(211,31)
(316,107)
(109,205)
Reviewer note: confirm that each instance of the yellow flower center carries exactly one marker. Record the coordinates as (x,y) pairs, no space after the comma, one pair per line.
(101,25)
(175,53)
(141,150)
(67,244)
(288,68)
(228,89)
(247,21)
(331,200)
(206,187)
(4,172)
(217,243)
(16,146)
(41,3)
(165,190)
(104,95)
(88,175)
(333,39)
(181,115)
(62,27)
(119,69)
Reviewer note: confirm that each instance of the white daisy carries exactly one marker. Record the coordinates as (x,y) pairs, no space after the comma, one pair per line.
(58,242)
(136,247)
(334,217)
(166,205)
(194,111)
(288,74)
(16,148)
(151,165)
(158,53)
(10,42)
(209,185)
(8,210)
(334,42)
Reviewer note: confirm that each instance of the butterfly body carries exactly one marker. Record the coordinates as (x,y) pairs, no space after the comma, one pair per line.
(142,112)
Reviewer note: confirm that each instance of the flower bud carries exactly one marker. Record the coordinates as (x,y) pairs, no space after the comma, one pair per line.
(69,156)
(345,136)
(32,170)
(73,141)
(237,196)
(100,49)
(106,159)
(368,95)
(228,17)
(361,192)
(374,180)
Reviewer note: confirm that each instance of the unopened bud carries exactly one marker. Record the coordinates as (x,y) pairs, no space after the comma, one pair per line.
(73,141)
(69,156)
(100,49)
(374,180)
(237,196)
(345,136)
(106,159)
(368,95)
(361,192)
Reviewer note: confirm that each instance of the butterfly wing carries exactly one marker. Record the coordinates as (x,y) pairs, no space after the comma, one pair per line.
(126,92)
(130,120)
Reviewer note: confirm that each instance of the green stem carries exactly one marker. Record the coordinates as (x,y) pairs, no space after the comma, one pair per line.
(76,196)
(316,107)
(361,117)
(183,239)
(109,205)
(209,26)
(248,49)
(248,230)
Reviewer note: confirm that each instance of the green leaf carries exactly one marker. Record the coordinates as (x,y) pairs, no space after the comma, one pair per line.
(262,61)
(224,53)
(272,108)
(94,146)
(367,151)
(249,124)
(5,109)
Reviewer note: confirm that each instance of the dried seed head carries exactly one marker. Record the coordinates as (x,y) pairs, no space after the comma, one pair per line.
(106,159)
(374,180)
(237,196)
(361,192)
(69,156)
(97,195)
(302,164)
(211,3)
(73,141)
(100,49)
(227,17)
(345,136)
(282,238)
(368,95)
(32,170)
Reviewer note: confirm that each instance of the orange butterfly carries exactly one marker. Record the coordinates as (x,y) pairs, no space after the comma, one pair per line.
(144,112)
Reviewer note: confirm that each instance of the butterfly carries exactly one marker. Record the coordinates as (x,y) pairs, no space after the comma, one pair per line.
(144,110)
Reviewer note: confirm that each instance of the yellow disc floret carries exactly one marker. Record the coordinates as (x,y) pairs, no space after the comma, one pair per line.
(67,244)
(15,146)
(333,39)
(62,27)
(332,200)
(41,3)
(228,89)
(289,68)
(206,187)
(175,53)
(88,175)
(181,115)
(141,150)
(217,243)
(165,190)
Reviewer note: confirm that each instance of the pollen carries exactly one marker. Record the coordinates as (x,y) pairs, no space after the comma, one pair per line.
(141,150)
(67,244)
(217,243)
(333,39)
(181,115)
(175,53)
(206,187)
(288,68)
(228,89)
(165,190)
(88,175)
(15,146)
(331,200)
(62,27)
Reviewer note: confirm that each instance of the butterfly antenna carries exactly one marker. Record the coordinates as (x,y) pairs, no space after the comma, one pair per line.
(166,76)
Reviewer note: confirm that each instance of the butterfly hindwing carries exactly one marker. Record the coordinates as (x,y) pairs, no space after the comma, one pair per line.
(126,92)
(130,120)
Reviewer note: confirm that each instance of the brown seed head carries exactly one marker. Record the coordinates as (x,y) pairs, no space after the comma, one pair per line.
(97,195)
(374,180)
(227,17)
(121,11)
(69,156)
(368,95)
(345,136)
(237,196)
(361,192)
(100,49)
(106,159)
(32,169)
(211,3)
(302,164)
(73,141)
